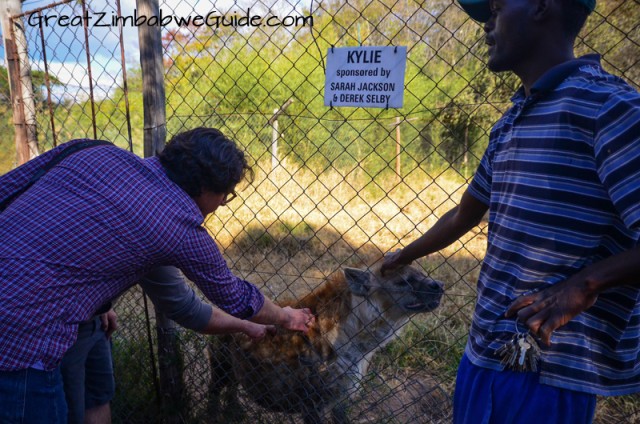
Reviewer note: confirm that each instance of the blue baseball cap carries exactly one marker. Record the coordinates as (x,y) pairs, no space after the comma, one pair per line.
(480,10)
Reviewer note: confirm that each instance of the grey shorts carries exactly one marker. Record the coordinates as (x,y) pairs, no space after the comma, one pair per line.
(87,370)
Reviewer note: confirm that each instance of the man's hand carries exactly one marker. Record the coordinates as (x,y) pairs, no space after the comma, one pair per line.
(298,319)
(545,311)
(393,261)
(257,331)
(109,322)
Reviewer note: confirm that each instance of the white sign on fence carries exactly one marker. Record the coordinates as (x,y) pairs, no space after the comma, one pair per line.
(365,76)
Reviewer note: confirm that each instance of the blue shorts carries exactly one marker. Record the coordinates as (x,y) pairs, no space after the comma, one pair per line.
(87,370)
(485,396)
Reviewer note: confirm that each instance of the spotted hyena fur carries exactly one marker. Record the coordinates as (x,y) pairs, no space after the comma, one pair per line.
(357,313)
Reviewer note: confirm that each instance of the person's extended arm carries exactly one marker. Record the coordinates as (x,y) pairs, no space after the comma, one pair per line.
(223,323)
(170,293)
(287,317)
(200,259)
(453,225)
(545,311)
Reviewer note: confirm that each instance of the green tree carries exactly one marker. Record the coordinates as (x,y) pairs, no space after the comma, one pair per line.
(7,142)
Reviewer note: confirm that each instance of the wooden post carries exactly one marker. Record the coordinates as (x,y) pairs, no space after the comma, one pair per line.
(399,120)
(26,86)
(274,142)
(273,121)
(10,8)
(155,132)
(155,121)
(398,148)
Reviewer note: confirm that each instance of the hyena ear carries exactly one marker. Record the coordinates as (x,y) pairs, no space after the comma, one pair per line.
(358,280)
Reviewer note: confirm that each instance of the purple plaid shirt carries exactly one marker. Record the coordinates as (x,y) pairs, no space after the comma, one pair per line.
(86,232)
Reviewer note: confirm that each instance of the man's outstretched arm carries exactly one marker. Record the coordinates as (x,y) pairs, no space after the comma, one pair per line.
(453,225)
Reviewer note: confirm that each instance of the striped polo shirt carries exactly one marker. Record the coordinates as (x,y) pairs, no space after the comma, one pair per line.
(561,177)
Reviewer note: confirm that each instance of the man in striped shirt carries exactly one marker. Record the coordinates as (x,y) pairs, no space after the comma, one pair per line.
(561,181)
(88,230)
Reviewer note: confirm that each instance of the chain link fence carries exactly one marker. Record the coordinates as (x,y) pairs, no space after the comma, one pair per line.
(78,73)
(333,187)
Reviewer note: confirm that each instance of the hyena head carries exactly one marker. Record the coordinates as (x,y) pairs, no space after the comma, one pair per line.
(394,296)
(358,311)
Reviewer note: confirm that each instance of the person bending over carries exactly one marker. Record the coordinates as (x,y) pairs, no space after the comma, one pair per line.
(89,229)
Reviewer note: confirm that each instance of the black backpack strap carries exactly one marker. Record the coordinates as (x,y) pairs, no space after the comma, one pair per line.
(53,162)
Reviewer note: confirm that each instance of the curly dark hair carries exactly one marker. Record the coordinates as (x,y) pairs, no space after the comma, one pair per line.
(203,159)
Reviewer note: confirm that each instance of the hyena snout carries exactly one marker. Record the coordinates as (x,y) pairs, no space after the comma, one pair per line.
(433,294)
(425,295)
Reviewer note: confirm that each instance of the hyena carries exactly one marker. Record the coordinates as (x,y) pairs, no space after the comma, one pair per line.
(357,312)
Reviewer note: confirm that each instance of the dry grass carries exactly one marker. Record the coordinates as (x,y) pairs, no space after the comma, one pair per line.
(293,228)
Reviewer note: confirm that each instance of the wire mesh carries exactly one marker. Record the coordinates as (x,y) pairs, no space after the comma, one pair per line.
(339,194)
(78,72)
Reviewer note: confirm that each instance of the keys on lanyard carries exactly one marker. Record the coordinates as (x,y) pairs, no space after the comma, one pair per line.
(521,353)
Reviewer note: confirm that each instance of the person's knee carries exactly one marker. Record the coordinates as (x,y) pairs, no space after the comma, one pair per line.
(100,414)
